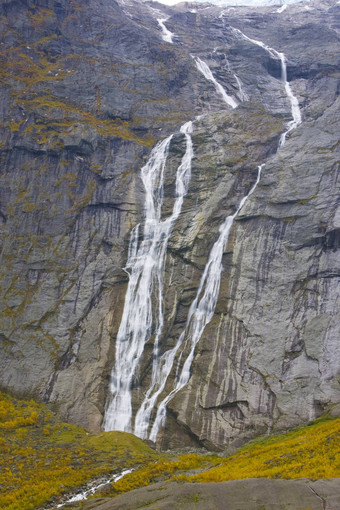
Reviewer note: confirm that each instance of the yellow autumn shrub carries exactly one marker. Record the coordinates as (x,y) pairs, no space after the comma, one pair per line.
(308,452)
(41,458)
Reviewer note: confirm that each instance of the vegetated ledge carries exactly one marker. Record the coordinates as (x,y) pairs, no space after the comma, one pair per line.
(42,459)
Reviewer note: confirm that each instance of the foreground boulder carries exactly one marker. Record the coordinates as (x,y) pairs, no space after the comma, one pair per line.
(252,494)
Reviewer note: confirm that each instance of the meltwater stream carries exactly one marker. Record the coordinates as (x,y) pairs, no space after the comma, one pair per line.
(166,34)
(145,267)
(296,113)
(206,71)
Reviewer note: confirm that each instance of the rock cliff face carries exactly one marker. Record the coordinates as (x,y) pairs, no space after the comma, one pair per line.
(87,89)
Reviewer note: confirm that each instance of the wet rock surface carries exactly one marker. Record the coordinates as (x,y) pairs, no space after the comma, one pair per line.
(86,91)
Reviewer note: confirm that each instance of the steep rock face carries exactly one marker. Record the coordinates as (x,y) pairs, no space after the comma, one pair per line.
(272,349)
(87,90)
(81,101)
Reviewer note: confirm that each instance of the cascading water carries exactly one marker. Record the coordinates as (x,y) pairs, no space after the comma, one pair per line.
(166,34)
(242,94)
(282,8)
(162,365)
(206,71)
(296,113)
(145,267)
(203,306)
(201,310)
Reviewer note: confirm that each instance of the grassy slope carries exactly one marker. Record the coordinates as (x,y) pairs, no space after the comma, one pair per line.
(312,451)
(41,458)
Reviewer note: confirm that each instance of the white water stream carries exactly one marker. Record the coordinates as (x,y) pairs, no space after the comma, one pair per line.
(296,113)
(81,496)
(145,267)
(242,94)
(166,34)
(206,71)
(282,8)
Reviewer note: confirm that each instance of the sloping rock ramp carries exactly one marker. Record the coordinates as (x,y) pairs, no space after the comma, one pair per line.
(250,494)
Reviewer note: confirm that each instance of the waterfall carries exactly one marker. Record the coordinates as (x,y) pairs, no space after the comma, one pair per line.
(206,71)
(166,34)
(282,8)
(201,310)
(162,365)
(145,267)
(242,95)
(296,113)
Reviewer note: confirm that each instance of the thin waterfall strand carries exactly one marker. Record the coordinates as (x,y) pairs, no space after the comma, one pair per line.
(242,94)
(296,113)
(202,308)
(166,34)
(161,366)
(295,109)
(206,71)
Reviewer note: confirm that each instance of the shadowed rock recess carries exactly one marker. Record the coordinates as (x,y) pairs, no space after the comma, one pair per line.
(87,90)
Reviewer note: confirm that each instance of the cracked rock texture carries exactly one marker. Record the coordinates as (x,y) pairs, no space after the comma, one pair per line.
(87,89)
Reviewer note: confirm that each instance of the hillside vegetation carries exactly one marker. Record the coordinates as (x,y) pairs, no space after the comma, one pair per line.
(41,458)
(312,451)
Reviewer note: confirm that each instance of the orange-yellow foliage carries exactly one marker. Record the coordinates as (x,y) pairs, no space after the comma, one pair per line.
(309,452)
(41,458)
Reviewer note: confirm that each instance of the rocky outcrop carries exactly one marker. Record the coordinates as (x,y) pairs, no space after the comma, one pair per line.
(252,494)
(87,89)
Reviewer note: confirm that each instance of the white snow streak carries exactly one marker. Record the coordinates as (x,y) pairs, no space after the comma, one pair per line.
(282,8)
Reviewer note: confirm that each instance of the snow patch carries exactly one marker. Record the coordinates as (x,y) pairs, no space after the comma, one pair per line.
(282,8)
